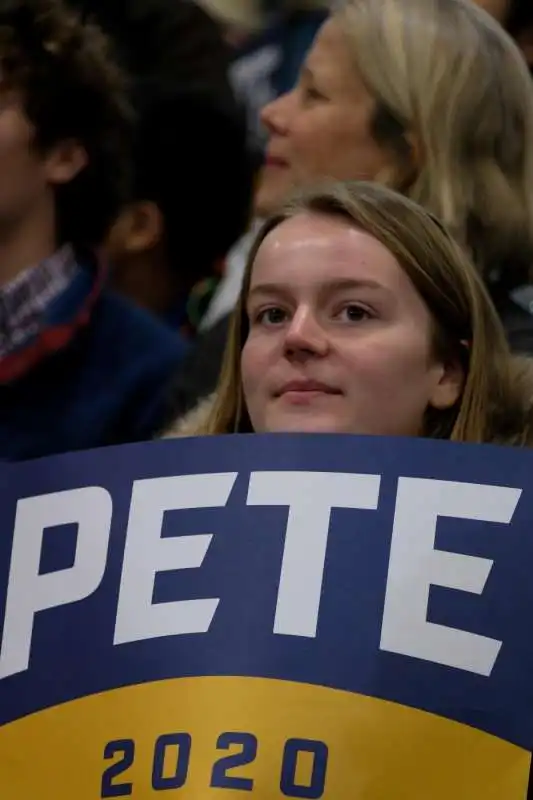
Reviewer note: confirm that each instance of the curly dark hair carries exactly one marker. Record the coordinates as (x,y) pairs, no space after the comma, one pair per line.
(71,88)
(193,161)
(173,38)
(191,152)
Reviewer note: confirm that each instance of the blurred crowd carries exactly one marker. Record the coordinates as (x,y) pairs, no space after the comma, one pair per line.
(142,142)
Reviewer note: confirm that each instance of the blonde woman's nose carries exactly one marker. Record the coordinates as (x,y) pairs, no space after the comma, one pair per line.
(274,116)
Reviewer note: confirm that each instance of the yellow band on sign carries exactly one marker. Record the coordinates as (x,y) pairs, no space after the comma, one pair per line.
(224,737)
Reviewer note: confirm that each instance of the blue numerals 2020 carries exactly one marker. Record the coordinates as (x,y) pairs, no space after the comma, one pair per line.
(175,748)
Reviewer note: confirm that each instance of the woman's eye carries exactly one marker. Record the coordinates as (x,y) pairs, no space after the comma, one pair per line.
(354,313)
(271,316)
(311,93)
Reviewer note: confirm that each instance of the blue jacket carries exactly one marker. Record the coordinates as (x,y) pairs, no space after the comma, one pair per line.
(96,375)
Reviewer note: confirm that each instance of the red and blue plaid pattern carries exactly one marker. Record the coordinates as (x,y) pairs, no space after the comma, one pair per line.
(24,301)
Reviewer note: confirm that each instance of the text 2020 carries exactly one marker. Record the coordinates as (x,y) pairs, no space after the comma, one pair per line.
(175,748)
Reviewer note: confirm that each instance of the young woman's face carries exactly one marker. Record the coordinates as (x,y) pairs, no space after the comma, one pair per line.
(322,129)
(340,341)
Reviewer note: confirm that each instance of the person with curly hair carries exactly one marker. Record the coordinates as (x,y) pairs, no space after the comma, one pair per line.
(194,170)
(80,366)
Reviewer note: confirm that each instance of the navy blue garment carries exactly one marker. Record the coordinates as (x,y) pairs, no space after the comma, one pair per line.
(96,375)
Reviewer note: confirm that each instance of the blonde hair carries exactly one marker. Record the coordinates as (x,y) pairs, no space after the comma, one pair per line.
(452,86)
(467,327)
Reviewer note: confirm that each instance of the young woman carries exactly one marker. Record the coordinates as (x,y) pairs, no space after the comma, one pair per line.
(360,314)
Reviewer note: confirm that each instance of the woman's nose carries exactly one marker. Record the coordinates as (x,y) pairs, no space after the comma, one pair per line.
(305,335)
(274,115)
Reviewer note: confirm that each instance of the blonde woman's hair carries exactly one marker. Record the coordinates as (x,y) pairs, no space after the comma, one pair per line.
(466,326)
(455,95)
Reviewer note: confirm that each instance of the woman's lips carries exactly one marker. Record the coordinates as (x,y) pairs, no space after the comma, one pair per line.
(274,161)
(301,392)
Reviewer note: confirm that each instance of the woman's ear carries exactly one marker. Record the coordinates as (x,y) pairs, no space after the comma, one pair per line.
(417,151)
(448,386)
(405,164)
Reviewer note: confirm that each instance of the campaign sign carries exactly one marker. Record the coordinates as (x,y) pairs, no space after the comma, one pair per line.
(281,617)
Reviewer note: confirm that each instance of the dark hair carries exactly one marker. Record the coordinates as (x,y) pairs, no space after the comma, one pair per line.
(519,16)
(191,159)
(192,156)
(173,38)
(70,89)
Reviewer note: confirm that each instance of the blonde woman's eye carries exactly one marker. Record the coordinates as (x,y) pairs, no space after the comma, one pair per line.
(354,313)
(271,316)
(313,94)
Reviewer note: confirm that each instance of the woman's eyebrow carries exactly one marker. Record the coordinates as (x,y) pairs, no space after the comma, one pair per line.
(341,284)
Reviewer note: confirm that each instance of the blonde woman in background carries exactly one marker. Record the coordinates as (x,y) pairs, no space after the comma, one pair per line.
(360,314)
(433,99)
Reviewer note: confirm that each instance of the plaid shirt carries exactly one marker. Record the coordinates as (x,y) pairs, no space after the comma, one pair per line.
(24,301)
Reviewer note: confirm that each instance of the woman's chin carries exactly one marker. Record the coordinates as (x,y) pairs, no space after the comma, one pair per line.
(271,193)
(306,423)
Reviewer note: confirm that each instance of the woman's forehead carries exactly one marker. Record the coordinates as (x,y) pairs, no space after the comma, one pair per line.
(325,236)
(315,249)
(330,58)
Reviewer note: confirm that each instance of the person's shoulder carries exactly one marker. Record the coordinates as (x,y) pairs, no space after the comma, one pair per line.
(193,423)
(136,357)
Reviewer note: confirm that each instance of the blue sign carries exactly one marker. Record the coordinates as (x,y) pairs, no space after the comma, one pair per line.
(287,616)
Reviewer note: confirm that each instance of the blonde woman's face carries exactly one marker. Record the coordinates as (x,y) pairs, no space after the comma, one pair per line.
(339,339)
(322,128)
